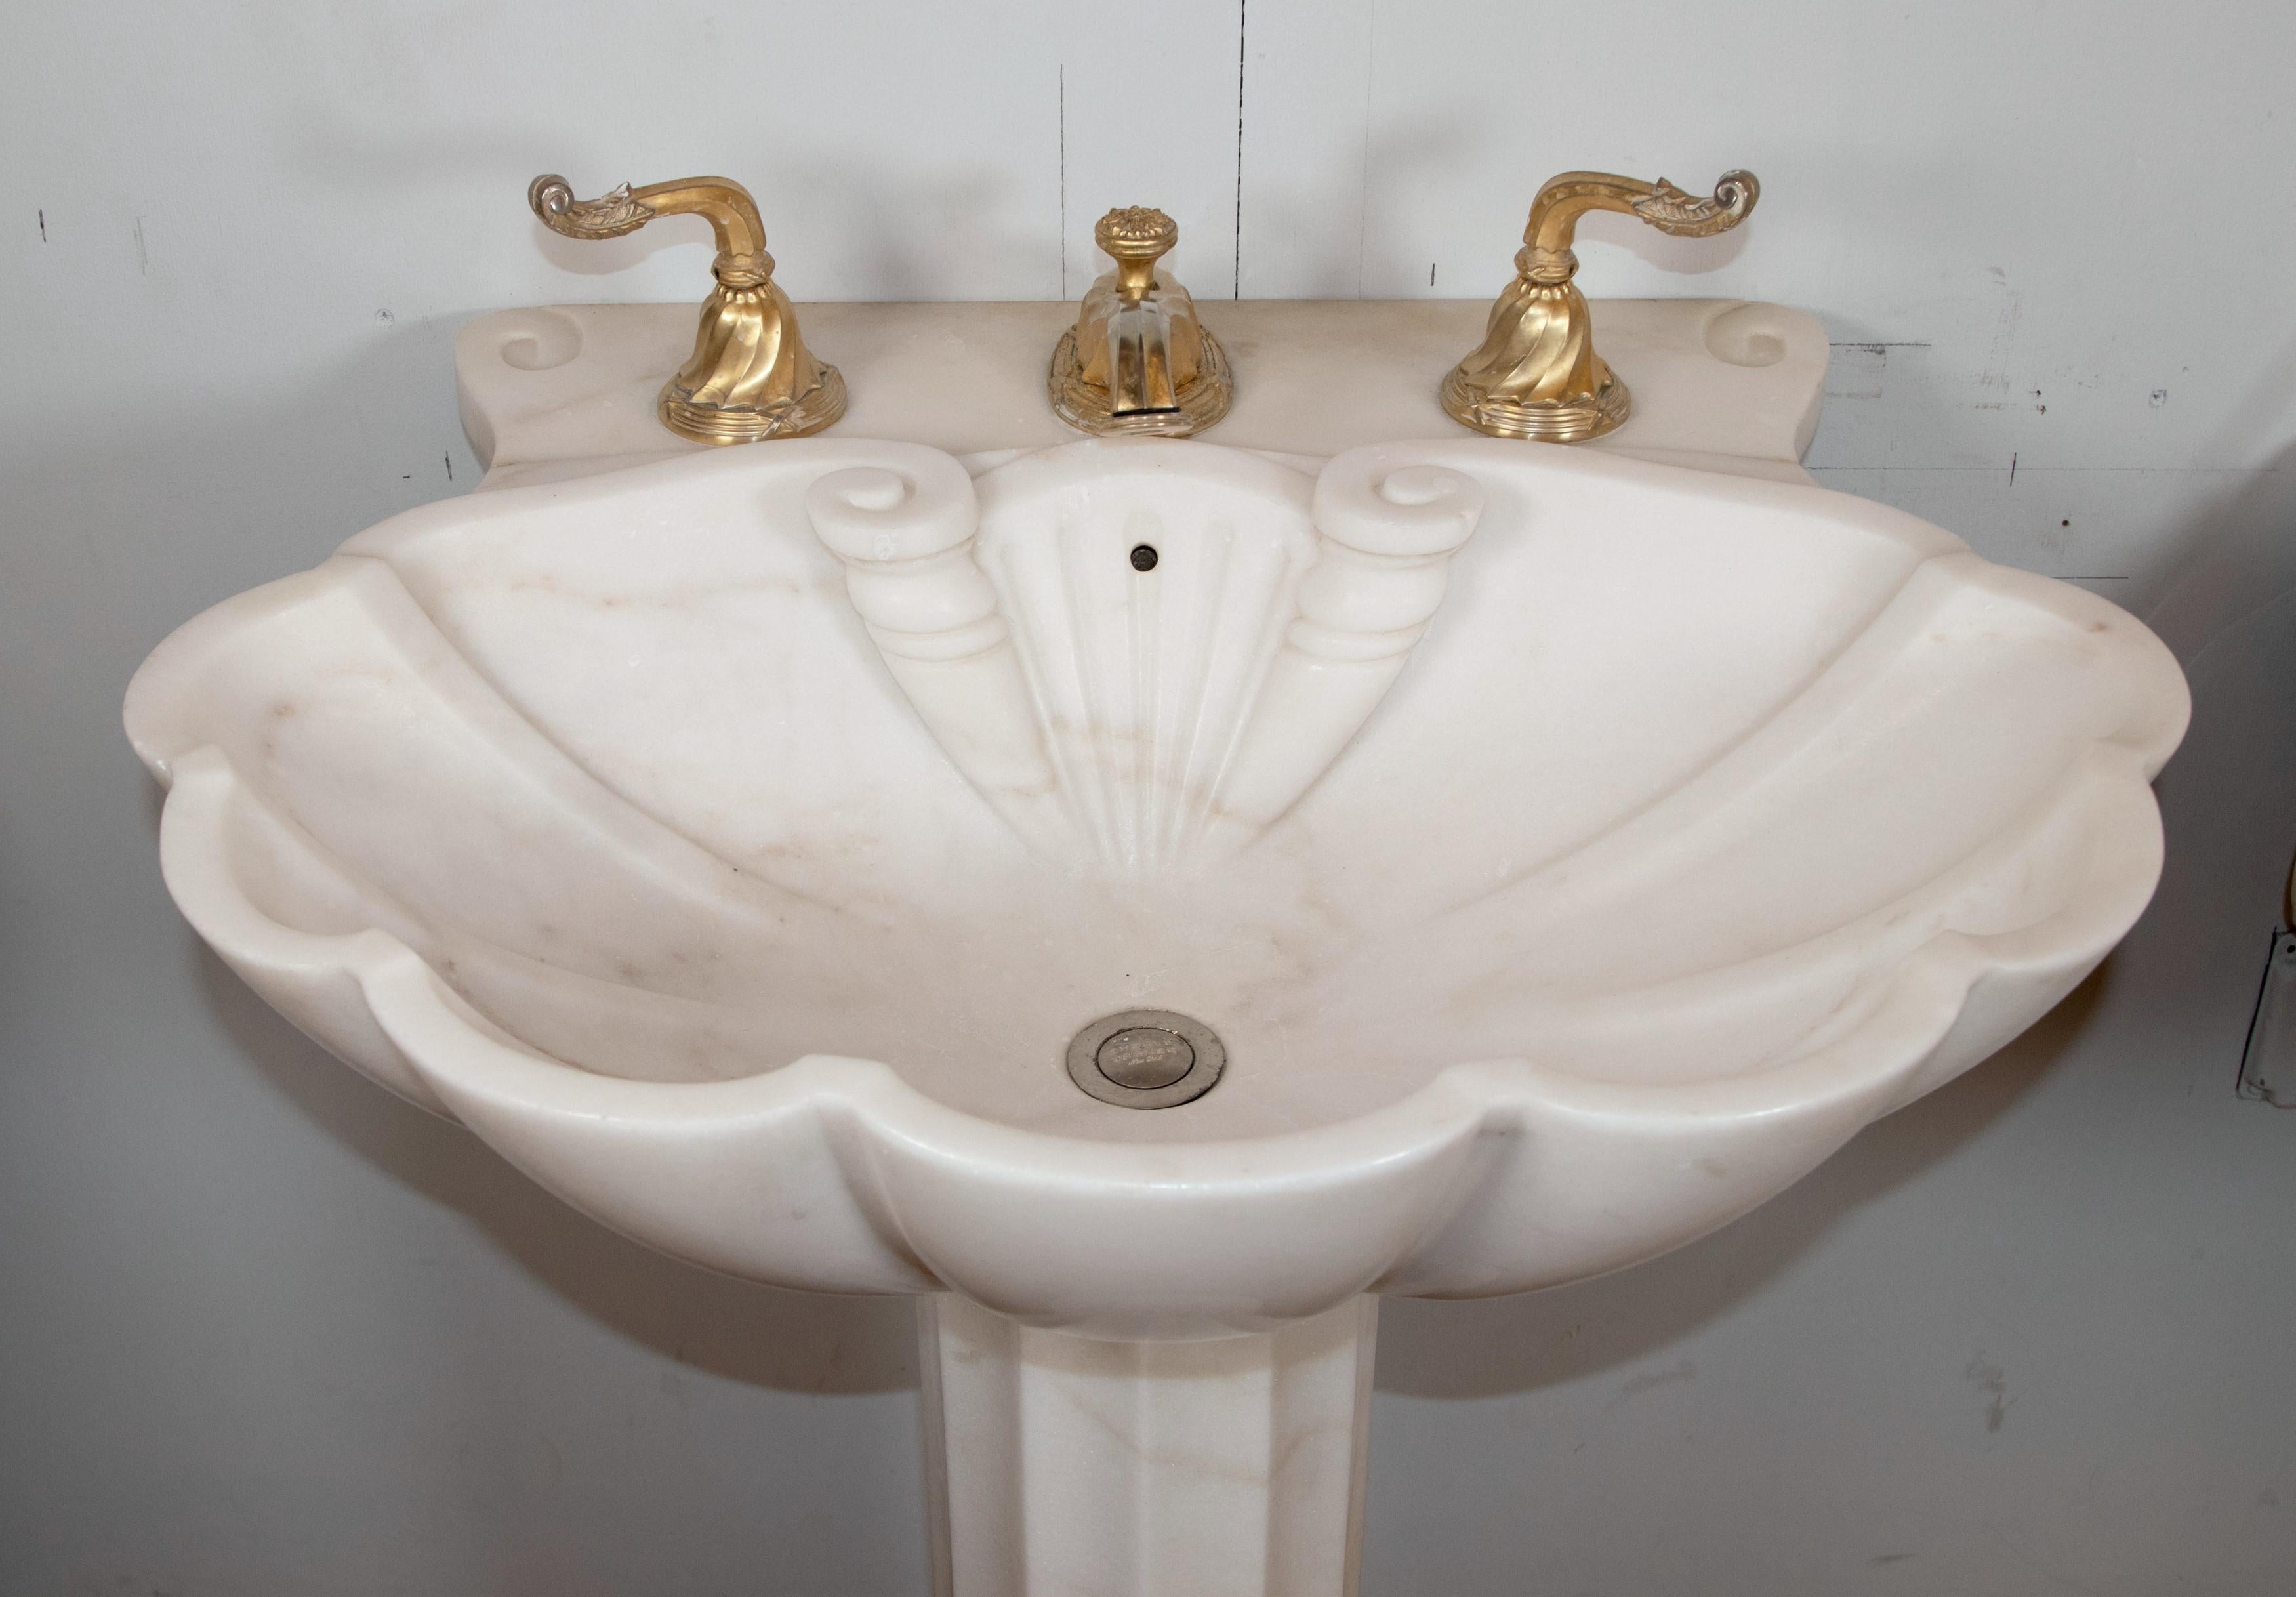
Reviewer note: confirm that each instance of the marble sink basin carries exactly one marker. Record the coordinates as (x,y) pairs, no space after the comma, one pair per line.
(735,844)
(1567,852)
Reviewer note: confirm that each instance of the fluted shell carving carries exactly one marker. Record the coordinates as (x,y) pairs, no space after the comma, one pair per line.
(586,817)
(1144,653)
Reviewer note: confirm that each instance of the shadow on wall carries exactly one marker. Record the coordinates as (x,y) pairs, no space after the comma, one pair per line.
(2240,556)
(1515,1344)
(2175,998)
(2227,588)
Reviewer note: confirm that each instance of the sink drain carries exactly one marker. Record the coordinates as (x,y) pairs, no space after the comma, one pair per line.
(1147,1059)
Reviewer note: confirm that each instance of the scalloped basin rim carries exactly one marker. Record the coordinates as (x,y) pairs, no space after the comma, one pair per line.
(1888,804)
(462,1058)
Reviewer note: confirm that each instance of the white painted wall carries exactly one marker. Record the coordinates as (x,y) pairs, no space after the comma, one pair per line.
(269,1333)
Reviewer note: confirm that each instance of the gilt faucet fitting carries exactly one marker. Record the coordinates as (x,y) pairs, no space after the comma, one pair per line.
(750,375)
(1137,360)
(1536,373)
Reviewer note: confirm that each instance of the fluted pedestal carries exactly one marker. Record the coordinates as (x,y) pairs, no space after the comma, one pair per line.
(1059,1467)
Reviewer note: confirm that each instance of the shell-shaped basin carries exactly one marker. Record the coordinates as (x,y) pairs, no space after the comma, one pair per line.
(736,844)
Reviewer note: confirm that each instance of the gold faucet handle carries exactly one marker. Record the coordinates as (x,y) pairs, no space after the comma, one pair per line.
(1136,233)
(1669,209)
(725,204)
(1536,373)
(1566,196)
(1563,199)
(750,375)
(1135,237)
(615,212)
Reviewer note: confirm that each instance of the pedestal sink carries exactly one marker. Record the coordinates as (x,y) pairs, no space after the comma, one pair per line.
(1566,852)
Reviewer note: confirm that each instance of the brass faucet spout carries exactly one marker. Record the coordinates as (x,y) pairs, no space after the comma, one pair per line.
(1136,359)
(1140,359)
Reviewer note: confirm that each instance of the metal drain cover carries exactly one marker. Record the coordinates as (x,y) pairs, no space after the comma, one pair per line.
(1147,1059)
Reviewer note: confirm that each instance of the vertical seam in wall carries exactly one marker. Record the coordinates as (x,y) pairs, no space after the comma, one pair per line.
(1363,174)
(1235,291)
(1063,103)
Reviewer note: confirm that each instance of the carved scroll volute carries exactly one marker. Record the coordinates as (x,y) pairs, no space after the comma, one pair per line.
(906,538)
(609,216)
(750,375)
(1686,215)
(1536,374)
(1386,526)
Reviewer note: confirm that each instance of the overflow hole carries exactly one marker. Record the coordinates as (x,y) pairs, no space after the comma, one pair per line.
(1144,557)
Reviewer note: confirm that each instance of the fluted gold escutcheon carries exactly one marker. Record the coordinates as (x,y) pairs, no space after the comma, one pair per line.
(1536,374)
(750,375)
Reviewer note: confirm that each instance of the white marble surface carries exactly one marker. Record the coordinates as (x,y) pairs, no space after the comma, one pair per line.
(664,825)
(1711,818)
(565,391)
(1061,1465)
(1143,721)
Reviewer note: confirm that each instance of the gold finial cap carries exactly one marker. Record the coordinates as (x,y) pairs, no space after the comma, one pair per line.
(1136,233)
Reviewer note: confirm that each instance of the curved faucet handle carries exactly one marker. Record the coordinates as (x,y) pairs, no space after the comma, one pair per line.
(1536,374)
(1563,199)
(750,375)
(1686,215)
(732,214)
(615,212)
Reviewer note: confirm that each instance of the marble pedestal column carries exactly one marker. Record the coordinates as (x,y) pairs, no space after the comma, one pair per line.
(1061,1467)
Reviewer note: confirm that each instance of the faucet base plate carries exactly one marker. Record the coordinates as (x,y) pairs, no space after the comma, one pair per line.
(1550,421)
(799,416)
(1085,406)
